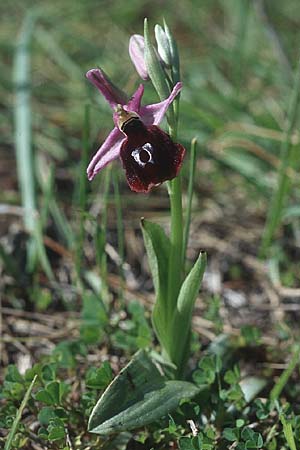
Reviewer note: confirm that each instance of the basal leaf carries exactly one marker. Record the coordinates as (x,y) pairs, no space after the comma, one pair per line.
(138,396)
(158,247)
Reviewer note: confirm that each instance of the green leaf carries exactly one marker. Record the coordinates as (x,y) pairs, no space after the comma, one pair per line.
(232,376)
(46,414)
(251,334)
(57,390)
(53,393)
(93,318)
(251,438)
(13,374)
(99,378)
(48,372)
(208,367)
(263,409)
(240,423)
(158,247)
(43,433)
(231,434)
(186,443)
(137,396)
(235,393)
(247,434)
(183,315)
(43,396)
(56,430)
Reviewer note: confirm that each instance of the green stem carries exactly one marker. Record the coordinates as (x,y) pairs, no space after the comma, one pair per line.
(189,198)
(176,235)
(176,238)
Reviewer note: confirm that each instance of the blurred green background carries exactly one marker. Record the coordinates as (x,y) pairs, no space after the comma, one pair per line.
(237,59)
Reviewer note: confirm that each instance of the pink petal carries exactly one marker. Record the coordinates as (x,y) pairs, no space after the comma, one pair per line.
(109,151)
(136,52)
(134,103)
(153,114)
(113,95)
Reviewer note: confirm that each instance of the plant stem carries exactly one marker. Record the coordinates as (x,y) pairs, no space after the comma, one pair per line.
(176,238)
(189,198)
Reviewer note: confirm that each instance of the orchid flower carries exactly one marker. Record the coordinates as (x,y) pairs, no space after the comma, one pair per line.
(148,154)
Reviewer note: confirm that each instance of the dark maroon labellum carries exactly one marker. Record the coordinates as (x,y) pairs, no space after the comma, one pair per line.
(149,155)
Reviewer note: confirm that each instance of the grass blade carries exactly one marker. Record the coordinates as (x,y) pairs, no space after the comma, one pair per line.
(82,190)
(101,237)
(50,205)
(279,196)
(15,424)
(120,227)
(283,379)
(23,138)
(288,433)
(23,146)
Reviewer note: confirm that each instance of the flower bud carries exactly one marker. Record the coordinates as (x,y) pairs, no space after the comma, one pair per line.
(136,52)
(163,45)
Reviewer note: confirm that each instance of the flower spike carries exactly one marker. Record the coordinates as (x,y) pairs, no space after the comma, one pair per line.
(148,154)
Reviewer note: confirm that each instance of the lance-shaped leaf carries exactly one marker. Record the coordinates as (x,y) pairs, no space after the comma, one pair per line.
(183,314)
(138,396)
(158,248)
